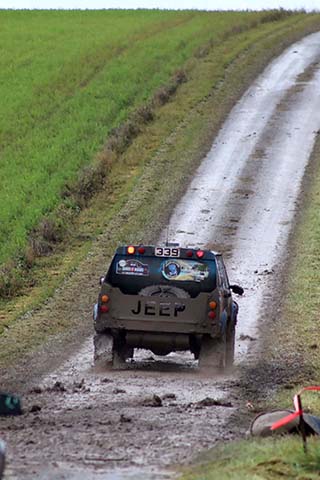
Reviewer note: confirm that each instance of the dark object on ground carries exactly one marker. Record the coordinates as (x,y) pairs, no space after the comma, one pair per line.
(2,458)
(261,425)
(212,402)
(58,387)
(154,401)
(35,409)
(10,404)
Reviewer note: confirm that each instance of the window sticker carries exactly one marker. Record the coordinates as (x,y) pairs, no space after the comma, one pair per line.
(185,271)
(132,267)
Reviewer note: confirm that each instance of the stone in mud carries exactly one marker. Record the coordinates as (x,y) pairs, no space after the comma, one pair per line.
(57,387)
(154,401)
(36,390)
(247,337)
(78,385)
(124,419)
(106,380)
(169,396)
(116,391)
(212,402)
(35,408)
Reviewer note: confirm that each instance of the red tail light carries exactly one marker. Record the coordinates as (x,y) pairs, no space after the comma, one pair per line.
(104,308)
(212,314)
(189,253)
(200,253)
(141,250)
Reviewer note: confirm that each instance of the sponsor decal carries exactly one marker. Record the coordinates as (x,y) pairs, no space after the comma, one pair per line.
(132,267)
(185,271)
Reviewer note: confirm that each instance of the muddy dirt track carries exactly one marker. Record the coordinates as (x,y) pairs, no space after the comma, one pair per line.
(133,424)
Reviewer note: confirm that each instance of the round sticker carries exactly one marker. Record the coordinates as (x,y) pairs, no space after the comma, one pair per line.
(171,269)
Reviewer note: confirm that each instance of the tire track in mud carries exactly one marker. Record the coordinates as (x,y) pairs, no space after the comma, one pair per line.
(86,424)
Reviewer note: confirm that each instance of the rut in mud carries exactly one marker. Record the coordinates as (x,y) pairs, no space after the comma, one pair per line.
(82,423)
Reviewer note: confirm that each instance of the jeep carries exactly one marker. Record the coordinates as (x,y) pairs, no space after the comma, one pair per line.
(166,299)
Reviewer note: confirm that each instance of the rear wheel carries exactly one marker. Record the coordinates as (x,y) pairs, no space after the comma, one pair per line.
(120,353)
(213,353)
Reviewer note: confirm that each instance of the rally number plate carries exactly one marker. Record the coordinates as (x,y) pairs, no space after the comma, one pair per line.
(167,252)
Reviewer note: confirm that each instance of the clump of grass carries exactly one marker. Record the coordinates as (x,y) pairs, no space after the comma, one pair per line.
(163,95)
(11,280)
(121,137)
(276,15)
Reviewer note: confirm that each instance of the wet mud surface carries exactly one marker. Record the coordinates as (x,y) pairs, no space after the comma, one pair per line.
(152,415)
(80,423)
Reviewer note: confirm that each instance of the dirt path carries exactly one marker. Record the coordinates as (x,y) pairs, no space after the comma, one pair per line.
(85,424)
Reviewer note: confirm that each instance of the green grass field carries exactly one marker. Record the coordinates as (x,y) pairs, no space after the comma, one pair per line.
(67,79)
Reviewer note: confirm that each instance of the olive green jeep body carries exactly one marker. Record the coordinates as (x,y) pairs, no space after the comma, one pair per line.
(166,299)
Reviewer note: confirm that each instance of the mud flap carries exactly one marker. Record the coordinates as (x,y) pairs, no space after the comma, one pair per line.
(230,344)
(120,353)
(103,349)
(2,458)
(213,353)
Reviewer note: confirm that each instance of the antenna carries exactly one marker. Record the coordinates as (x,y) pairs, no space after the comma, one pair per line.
(170,244)
(167,239)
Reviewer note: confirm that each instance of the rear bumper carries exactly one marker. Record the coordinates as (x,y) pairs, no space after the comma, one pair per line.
(157,314)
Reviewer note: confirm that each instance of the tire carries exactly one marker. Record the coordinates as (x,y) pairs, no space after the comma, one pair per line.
(230,345)
(119,355)
(164,291)
(103,349)
(213,353)
(118,360)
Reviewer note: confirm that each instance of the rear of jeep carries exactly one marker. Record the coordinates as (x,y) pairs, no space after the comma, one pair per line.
(164,299)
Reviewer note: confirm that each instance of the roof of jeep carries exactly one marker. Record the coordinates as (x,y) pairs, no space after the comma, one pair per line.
(184,252)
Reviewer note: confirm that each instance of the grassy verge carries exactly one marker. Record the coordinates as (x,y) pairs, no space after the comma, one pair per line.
(143,184)
(268,459)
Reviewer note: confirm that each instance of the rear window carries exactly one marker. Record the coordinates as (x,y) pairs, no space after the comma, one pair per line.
(131,274)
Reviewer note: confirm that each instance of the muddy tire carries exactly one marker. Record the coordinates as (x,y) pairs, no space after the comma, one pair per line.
(118,357)
(230,346)
(103,349)
(118,361)
(164,291)
(213,353)
(120,353)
